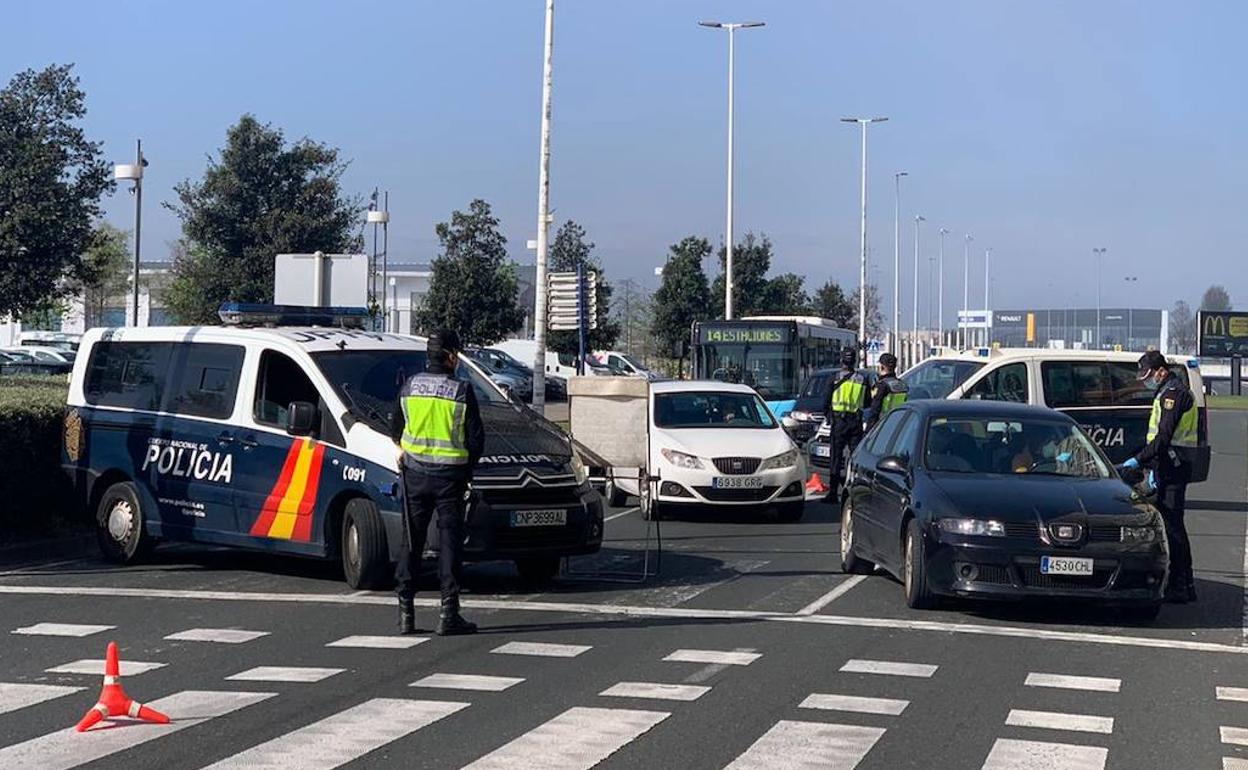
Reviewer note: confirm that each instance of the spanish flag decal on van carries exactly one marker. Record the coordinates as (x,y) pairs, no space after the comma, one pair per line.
(287,511)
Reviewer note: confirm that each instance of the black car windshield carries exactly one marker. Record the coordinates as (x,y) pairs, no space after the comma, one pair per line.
(1012,445)
(711,409)
(816,386)
(937,377)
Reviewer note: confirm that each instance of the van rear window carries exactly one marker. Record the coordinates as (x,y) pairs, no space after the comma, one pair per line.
(1070,384)
(197,379)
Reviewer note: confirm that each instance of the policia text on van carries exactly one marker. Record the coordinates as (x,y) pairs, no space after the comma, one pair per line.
(277,440)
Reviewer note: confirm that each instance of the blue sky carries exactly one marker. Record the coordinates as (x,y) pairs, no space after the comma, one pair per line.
(1044,129)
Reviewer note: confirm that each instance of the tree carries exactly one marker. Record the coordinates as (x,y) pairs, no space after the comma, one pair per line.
(751,259)
(1182,328)
(633,313)
(262,197)
(570,250)
(875,319)
(51,180)
(786,295)
(684,296)
(106,272)
(1216,298)
(830,302)
(473,288)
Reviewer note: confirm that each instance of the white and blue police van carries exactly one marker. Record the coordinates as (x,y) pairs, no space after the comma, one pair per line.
(271,433)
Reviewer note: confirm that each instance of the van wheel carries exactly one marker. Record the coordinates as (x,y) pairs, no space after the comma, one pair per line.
(119,525)
(919,595)
(851,562)
(538,569)
(365,559)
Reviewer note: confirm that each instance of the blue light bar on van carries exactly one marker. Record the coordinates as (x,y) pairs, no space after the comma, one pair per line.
(258,314)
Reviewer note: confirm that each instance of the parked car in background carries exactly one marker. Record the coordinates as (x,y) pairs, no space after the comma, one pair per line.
(44,353)
(59,340)
(500,362)
(19,362)
(624,364)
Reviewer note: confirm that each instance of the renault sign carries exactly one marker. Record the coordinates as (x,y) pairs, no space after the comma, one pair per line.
(1221,334)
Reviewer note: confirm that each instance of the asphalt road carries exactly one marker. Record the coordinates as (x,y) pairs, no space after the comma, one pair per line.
(749,650)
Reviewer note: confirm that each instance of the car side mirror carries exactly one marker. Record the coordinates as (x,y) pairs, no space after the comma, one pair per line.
(301,418)
(893,464)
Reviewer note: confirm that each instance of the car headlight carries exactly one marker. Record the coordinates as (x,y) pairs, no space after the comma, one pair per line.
(783,460)
(799,415)
(1146,534)
(578,469)
(982,527)
(788,421)
(681,460)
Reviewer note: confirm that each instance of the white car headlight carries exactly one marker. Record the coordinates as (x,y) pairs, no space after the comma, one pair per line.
(799,415)
(681,460)
(783,460)
(578,469)
(982,527)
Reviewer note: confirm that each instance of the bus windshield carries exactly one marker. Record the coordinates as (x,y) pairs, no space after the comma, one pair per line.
(768,368)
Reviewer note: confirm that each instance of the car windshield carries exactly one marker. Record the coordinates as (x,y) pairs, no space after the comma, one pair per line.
(711,409)
(816,386)
(1012,445)
(936,377)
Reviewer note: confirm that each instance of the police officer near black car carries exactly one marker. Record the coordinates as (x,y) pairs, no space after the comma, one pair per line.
(441,437)
(844,414)
(889,392)
(1172,437)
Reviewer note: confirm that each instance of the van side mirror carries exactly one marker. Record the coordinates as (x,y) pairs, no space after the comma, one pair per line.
(893,464)
(301,418)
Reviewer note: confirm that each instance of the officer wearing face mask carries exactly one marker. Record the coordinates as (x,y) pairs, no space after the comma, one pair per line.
(1172,437)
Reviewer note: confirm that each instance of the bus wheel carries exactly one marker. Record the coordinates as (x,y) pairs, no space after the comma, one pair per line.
(119,525)
(365,560)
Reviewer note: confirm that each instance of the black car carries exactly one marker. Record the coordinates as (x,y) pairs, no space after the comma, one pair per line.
(820,393)
(999,501)
(16,362)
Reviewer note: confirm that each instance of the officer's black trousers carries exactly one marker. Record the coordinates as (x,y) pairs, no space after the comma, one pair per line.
(845,433)
(1172,502)
(442,492)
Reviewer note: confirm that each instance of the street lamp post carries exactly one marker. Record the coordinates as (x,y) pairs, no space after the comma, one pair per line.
(966,290)
(917,220)
(1099,253)
(134,173)
(897,261)
(381,217)
(543,216)
(732,28)
(862,285)
(987,278)
(940,291)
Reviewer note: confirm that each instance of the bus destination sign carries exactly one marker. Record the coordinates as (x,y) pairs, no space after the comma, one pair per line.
(750,335)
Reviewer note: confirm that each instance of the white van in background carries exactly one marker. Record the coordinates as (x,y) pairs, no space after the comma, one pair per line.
(623,364)
(557,364)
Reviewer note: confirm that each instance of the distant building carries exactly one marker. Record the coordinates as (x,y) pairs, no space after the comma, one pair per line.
(1130,328)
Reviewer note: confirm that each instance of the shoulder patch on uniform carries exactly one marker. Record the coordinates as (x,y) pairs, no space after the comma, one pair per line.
(1167,403)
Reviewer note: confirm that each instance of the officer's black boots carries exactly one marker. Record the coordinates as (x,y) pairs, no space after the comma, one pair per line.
(451,623)
(407,616)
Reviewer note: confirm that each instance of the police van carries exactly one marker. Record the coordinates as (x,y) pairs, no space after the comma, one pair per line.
(273,437)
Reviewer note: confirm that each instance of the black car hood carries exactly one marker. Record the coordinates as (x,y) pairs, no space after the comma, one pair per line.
(1026,498)
(516,435)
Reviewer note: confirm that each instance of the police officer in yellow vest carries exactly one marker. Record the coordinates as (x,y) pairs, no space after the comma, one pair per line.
(889,391)
(441,437)
(844,414)
(1171,436)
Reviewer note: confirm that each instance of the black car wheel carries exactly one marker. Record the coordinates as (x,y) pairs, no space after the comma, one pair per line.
(539,569)
(119,525)
(918,595)
(365,559)
(850,561)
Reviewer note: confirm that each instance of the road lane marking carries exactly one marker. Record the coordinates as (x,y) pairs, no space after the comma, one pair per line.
(889,668)
(14,696)
(476,682)
(837,592)
(345,736)
(220,635)
(1064,682)
(1009,754)
(623,610)
(61,629)
(791,744)
(1234,763)
(577,739)
(380,642)
(655,690)
(615,516)
(305,674)
(720,657)
(88,666)
(670,596)
(66,749)
(1233,693)
(1052,720)
(542,649)
(854,703)
(1236,736)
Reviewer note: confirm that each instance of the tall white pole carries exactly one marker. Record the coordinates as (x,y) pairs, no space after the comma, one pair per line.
(897,263)
(940,291)
(138,228)
(966,290)
(987,278)
(1099,254)
(728,231)
(917,220)
(543,217)
(862,284)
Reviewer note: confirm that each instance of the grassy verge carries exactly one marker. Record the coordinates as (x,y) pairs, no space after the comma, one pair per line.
(1228,402)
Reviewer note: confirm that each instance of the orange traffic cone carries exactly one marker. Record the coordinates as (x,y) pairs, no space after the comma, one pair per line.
(113,699)
(816,485)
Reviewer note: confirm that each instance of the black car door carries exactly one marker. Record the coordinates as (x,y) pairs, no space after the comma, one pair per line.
(863,482)
(892,488)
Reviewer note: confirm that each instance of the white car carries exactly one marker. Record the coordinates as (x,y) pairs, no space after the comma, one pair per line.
(717,444)
(42,353)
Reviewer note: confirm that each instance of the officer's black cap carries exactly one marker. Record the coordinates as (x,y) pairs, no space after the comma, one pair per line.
(849,356)
(1151,361)
(888,359)
(444,341)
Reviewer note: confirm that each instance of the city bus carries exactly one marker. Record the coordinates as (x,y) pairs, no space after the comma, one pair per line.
(772,354)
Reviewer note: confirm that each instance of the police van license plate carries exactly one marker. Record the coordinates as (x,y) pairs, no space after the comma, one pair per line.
(539,518)
(1065,565)
(820,450)
(737,482)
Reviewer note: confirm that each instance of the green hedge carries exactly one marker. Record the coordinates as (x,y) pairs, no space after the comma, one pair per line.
(34,492)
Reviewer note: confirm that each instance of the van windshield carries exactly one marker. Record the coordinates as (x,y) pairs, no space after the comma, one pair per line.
(937,377)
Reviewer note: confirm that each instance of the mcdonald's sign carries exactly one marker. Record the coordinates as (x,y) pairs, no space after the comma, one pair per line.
(1221,334)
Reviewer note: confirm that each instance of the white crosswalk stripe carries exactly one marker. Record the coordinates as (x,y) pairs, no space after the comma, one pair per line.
(1009,754)
(889,668)
(1234,763)
(65,749)
(478,682)
(61,629)
(380,642)
(14,696)
(1233,693)
(345,736)
(854,703)
(792,745)
(220,635)
(1064,682)
(722,657)
(89,666)
(284,674)
(1053,720)
(577,739)
(655,691)
(1236,736)
(542,649)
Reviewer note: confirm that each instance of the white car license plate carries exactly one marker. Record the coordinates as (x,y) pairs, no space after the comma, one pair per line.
(737,482)
(1065,565)
(539,518)
(821,450)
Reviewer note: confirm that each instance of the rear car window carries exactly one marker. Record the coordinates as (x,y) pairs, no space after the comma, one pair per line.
(204,379)
(198,379)
(1071,384)
(128,375)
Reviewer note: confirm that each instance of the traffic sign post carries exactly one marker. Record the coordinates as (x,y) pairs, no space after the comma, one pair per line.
(573,306)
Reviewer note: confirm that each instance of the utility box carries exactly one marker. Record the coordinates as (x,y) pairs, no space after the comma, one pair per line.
(321,280)
(610,417)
